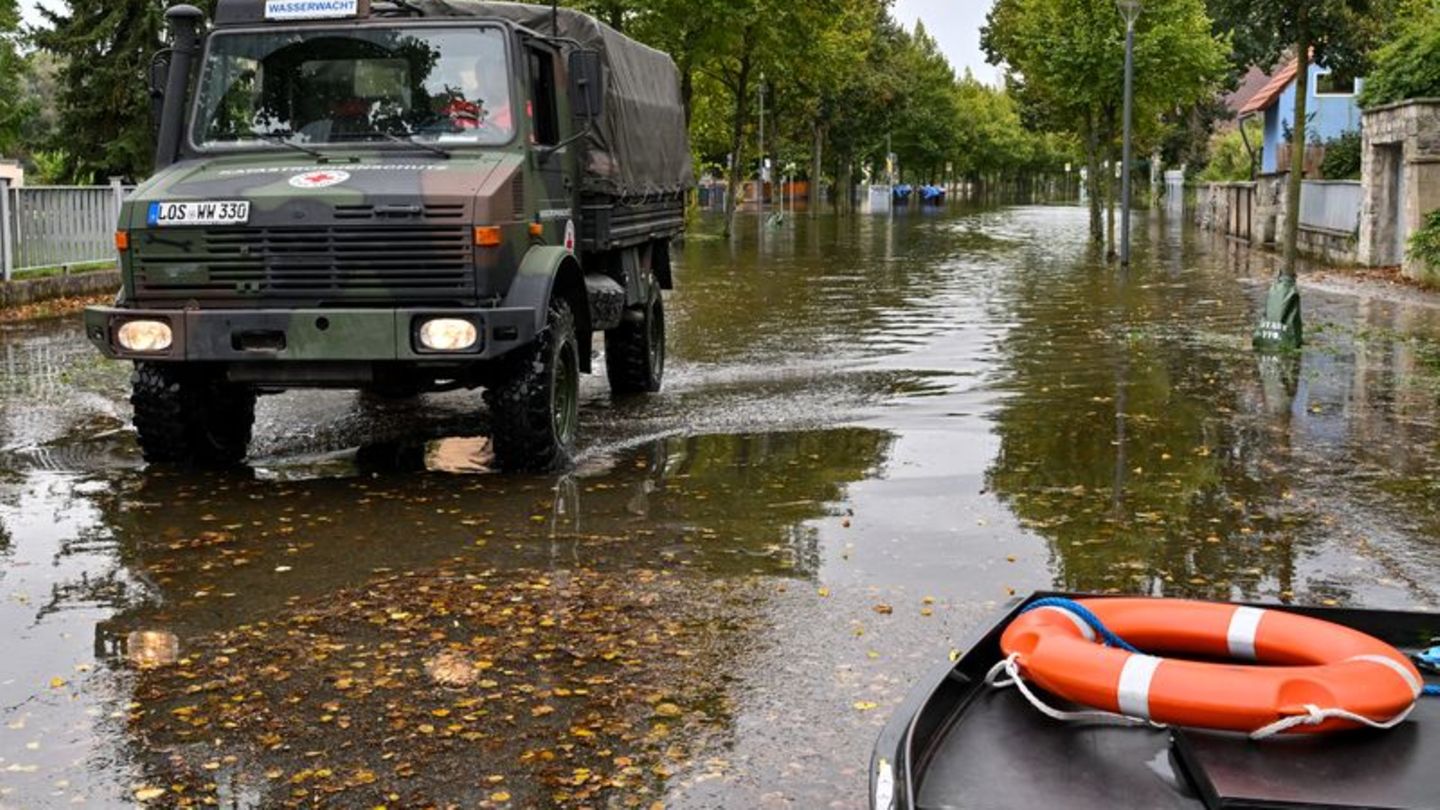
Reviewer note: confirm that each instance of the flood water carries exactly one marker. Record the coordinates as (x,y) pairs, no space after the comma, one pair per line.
(874,434)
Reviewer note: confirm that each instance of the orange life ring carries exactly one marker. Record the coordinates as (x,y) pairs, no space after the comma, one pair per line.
(1308,663)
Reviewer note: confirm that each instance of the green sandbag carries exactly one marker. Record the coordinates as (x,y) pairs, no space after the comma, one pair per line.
(1281,328)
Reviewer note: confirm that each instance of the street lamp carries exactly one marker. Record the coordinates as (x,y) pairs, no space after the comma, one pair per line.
(1130,11)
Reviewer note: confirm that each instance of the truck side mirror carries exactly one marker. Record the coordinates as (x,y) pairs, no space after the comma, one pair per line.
(587,85)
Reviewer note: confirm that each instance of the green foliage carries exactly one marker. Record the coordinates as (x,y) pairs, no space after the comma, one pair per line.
(1425,243)
(1339,33)
(840,77)
(57,167)
(1408,65)
(1229,159)
(1343,155)
(104,101)
(13,108)
(1067,58)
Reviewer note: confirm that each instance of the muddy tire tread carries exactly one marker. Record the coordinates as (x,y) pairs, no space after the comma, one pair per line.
(184,417)
(521,420)
(627,354)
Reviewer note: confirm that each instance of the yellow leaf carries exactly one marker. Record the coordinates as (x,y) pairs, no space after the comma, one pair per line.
(57,683)
(668,710)
(866,705)
(824,592)
(148,794)
(499,796)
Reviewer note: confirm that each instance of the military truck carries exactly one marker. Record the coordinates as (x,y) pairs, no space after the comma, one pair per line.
(397,198)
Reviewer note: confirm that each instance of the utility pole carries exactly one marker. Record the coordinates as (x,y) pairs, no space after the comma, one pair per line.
(1130,10)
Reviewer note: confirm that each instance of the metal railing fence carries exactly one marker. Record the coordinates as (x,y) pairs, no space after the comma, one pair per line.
(43,227)
(1333,205)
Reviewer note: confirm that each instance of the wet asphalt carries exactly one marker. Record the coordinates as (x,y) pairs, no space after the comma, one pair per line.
(874,434)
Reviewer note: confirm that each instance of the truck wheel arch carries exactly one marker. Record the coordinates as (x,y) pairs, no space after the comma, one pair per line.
(548,271)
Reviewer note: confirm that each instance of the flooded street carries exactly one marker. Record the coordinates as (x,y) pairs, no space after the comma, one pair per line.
(873,434)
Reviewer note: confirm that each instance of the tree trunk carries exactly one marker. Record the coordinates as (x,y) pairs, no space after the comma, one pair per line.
(687,90)
(737,136)
(844,191)
(1110,253)
(1297,158)
(817,165)
(1092,180)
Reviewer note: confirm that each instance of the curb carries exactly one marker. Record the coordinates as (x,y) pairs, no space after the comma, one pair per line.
(30,291)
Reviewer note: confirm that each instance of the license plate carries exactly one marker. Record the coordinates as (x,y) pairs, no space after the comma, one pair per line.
(198,213)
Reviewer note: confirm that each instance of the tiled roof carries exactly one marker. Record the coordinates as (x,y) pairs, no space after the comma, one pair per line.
(1271,93)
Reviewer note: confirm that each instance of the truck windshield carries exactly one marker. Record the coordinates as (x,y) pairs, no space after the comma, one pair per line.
(355,85)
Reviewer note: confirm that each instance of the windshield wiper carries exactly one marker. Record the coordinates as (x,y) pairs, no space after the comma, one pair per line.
(409,140)
(280,140)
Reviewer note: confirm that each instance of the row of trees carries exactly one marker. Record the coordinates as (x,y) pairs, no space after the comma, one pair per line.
(1067,58)
(844,83)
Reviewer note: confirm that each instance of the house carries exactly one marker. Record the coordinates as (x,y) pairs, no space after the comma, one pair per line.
(1332,110)
(12,172)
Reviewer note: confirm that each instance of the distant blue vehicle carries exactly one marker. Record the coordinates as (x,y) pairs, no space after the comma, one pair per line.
(903,192)
(932,195)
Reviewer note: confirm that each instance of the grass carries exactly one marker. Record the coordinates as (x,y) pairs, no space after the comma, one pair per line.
(61,270)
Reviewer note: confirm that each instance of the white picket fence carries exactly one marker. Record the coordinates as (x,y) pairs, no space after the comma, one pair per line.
(1332,205)
(57,226)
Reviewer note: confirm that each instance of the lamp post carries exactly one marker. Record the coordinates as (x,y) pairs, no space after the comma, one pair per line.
(1130,10)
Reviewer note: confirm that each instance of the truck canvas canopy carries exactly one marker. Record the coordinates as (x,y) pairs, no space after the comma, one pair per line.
(640,147)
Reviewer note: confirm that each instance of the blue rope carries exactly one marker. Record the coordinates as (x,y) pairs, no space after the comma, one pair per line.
(1112,640)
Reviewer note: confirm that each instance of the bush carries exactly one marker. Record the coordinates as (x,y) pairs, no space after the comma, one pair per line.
(1409,65)
(1342,157)
(1425,243)
(1229,159)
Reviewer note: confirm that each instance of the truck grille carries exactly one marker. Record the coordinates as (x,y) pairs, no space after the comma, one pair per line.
(320,266)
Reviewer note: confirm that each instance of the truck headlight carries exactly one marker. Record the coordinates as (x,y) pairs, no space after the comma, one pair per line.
(449,335)
(145,336)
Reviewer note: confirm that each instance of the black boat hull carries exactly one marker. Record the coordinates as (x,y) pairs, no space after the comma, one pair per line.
(954,743)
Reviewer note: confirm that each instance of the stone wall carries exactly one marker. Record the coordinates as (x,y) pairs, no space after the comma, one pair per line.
(29,291)
(1226,207)
(1271,203)
(1401,175)
(1330,247)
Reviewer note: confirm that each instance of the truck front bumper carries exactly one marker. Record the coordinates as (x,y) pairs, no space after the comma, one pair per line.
(308,335)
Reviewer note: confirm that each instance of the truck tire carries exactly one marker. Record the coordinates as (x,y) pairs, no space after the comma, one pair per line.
(535,405)
(189,416)
(635,350)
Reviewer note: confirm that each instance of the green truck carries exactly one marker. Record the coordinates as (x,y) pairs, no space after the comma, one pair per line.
(398,198)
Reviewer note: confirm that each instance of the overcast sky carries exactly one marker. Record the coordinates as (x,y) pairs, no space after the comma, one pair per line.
(955,24)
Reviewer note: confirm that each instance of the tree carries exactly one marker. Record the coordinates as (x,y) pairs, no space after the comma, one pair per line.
(13,107)
(1067,66)
(1408,65)
(106,47)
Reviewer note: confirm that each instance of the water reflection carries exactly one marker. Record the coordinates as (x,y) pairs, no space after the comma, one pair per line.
(1157,454)
(875,431)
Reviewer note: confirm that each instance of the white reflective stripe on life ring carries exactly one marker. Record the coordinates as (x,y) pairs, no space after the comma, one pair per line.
(1244,624)
(1133,691)
(1085,629)
(1399,668)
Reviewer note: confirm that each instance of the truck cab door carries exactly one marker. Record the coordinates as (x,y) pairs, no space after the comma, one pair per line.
(553,166)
